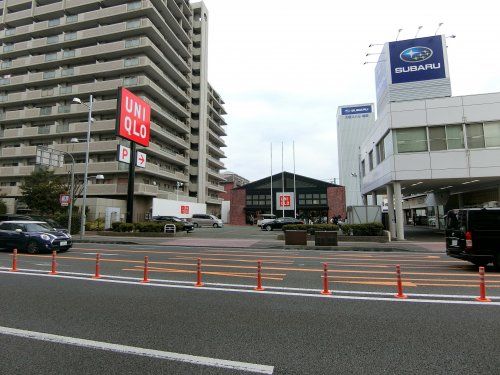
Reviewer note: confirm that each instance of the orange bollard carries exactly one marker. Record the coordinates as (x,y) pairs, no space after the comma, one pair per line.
(53,269)
(97,273)
(325,291)
(482,287)
(198,274)
(400,283)
(14,261)
(259,276)
(145,279)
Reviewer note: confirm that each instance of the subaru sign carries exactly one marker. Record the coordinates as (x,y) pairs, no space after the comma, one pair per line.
(417,59)
(356,110)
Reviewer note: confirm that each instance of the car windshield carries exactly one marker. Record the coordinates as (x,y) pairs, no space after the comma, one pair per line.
(37,227)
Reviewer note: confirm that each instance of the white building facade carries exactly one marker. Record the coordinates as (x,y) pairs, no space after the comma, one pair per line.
(353,123)
(429,151)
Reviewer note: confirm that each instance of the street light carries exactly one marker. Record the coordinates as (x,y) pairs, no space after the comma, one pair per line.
(179,184)
(85,177)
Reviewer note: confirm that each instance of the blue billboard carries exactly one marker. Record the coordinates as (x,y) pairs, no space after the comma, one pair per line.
(418,59)
(356,110)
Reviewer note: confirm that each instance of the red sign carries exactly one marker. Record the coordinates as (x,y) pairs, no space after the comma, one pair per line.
(133,118)
(185,210)
(285,201)
(64,199)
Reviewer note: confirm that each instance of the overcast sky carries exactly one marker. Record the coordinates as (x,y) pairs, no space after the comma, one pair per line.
(283,68)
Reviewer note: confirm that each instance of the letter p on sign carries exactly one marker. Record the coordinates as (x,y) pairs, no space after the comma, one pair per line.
(123,154)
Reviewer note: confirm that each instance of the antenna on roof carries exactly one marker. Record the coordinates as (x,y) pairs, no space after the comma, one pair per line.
(418,30)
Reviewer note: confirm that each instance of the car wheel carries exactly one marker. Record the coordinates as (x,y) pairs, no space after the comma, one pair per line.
(196,225)
(480,263)
(496,262)
(33,248)
(215,225)
(268,228)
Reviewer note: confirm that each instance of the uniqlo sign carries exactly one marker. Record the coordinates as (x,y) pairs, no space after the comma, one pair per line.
(133,118)
(184,210)
(286,201)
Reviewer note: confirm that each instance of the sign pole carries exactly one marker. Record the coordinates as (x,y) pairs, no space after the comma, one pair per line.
(131,182)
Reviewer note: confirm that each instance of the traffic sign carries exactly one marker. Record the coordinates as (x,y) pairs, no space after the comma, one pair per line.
(140,160)
(123,154)
(65,200)
(133,118)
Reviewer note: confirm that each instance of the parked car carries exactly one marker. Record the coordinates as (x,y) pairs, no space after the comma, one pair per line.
(265,218)
(204,220)
(54,224)
(33,237)
(474,235)
(280,222)
(186,225)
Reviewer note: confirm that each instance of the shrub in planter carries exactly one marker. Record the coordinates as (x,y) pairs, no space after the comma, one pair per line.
(368,229)
(312,228)
(122,227)
(96,225)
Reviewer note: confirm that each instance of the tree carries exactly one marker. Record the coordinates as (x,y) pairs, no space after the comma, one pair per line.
(41,191)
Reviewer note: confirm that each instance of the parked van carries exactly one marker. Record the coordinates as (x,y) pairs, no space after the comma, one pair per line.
(474,235)
(204,220)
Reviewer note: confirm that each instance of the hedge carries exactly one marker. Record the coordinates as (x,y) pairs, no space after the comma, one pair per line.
(369,229)
(312,228)
(144,227)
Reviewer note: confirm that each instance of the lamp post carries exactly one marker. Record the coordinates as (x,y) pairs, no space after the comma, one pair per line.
(179,184)
(85,177)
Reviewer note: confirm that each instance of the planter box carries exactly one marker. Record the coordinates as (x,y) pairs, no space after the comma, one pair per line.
(295,237)
(326,238)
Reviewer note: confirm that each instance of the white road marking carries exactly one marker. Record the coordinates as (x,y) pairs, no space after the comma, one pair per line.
(156,283)
(102,254)
(125,349)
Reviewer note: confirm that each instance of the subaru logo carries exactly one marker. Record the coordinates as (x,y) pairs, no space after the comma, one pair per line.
(415,54)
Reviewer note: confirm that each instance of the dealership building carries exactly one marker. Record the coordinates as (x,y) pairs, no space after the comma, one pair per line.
(55,51)
(428,151)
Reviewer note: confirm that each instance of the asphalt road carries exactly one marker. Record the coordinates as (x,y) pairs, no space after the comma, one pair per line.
(291,334)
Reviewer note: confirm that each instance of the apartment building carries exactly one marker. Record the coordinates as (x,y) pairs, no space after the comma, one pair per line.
(54,51)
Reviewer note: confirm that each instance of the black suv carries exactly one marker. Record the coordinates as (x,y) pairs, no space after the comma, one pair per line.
(474,235)
(186,225)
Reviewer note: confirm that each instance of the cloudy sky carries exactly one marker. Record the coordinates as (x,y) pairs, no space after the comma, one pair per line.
(283,68)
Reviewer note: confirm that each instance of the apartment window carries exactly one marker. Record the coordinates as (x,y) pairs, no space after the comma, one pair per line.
(65,89)
(70,36)
(132,42)
(133,24)
(4,80)
(7,47)
(51,56)
(68,53)
(492,134)
(62,128)
(65,108)
(44,129)
(475,136)
(44,111)
(10,31)
(131,61)
(129,81)
(363,168)
(48,92)
(68,72)
(4,97)
(411,140)
(134,5)
(71,19)
(52,39)
(6,64)
(54,22)
(50,74)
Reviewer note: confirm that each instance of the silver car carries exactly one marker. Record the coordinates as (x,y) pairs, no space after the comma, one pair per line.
(204,220)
